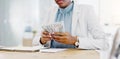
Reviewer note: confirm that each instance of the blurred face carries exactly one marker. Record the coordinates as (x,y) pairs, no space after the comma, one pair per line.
(63,3)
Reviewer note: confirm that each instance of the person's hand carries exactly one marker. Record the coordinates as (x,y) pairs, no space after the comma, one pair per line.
(45,37)
(64,38)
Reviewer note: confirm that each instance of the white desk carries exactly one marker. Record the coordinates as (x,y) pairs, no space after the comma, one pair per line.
(67,54)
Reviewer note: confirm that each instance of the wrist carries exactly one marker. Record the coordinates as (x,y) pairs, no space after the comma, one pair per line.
(74,40)
(76,44)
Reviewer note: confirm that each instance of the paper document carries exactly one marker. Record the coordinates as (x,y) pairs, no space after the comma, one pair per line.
(20,49)
(51,50)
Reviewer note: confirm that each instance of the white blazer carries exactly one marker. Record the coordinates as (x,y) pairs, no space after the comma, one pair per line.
(84,25)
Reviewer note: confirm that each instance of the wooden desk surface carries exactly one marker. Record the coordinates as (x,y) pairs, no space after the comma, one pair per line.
(68,54)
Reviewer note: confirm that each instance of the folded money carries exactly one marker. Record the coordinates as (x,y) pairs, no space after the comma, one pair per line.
(55,27)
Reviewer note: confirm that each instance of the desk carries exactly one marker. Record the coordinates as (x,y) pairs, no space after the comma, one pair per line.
(67,54)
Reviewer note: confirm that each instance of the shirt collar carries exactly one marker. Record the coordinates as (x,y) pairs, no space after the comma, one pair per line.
(67,9)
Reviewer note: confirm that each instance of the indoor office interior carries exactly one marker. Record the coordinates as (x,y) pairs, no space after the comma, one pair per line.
(20,20)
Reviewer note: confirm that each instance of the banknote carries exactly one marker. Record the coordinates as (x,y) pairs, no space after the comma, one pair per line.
(55,27)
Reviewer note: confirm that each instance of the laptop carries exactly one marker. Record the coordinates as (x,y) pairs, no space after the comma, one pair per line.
(21,49)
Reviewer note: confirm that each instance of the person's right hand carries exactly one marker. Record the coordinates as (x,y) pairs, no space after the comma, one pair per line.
(45,37)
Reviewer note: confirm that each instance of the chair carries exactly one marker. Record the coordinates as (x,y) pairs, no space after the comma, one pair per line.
(115,51)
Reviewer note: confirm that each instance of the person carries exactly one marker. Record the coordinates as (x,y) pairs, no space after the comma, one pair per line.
(82,28)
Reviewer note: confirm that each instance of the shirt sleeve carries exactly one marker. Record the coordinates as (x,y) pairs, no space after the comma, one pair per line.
(36,40)
(91,43)
(96,38)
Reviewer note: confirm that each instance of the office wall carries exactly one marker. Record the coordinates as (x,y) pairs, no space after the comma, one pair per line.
(6,37)
(23,13)
(110,11)
(15,15)
(94,3)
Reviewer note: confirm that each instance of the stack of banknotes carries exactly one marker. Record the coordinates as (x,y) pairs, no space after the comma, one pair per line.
(55,27)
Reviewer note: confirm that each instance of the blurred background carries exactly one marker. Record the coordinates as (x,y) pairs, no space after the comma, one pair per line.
(20,16)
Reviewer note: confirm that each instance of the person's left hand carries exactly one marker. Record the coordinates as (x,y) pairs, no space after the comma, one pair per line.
(64,38)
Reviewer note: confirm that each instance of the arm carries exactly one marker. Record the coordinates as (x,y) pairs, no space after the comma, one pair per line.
(37,41)
(96,38)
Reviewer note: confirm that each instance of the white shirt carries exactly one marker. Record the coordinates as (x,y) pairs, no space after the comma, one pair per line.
(85,25)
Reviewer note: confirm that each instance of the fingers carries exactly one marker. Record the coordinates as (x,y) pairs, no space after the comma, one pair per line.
(60,34)
(45,32)
(46,36)
(59,38)
(55,33)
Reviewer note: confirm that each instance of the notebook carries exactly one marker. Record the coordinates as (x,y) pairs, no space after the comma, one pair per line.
(52,50)
(21,49)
